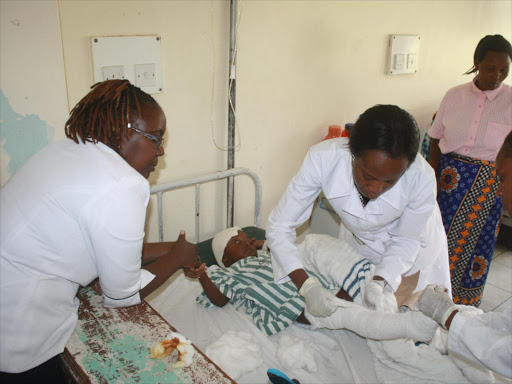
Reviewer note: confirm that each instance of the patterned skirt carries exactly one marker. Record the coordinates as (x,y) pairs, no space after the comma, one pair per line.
(471,215)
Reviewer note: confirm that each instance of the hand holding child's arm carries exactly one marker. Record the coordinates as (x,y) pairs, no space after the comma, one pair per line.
(195,272)
(436,303)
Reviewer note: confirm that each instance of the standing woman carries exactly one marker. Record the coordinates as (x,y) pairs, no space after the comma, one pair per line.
(74,212)
(471,124)
(385,195)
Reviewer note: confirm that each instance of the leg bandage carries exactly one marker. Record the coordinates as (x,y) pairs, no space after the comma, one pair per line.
(378,325)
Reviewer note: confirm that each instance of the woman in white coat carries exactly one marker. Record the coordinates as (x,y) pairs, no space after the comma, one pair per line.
(74,212)
(385,195)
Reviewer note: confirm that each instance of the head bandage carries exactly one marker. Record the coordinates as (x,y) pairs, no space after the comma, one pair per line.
(220,241)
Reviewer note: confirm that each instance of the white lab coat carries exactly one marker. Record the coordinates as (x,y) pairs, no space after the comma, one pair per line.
(484,339)
(72,213)
(401,231)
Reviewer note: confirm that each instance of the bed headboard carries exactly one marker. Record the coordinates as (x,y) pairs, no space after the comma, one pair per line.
(160,189)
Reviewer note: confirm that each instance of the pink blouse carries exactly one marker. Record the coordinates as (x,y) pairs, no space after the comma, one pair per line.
(473,123)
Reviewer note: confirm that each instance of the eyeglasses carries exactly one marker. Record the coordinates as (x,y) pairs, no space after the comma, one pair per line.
(159,141)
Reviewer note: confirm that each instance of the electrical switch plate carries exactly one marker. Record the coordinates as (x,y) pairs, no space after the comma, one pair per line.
(145,75)
(411,61)
(113,72)
(115,57)
(403,54)
(399,61)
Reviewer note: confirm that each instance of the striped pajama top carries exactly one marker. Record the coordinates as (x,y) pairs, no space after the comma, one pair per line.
(249,285)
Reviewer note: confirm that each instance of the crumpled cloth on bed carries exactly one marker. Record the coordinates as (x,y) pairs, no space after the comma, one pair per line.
(236,353)
(400,361)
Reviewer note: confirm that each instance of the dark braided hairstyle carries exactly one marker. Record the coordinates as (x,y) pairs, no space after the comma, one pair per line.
(495,43)
(104,113)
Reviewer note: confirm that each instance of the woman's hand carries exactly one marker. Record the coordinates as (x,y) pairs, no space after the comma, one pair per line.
(379,298)
(186,252)
(195,273)
(181,255)
(435,302)
(319,301)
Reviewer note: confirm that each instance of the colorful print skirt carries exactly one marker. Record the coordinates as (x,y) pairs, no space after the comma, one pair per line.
(471,215)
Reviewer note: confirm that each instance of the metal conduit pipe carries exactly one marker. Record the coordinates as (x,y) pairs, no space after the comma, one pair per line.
(231,115)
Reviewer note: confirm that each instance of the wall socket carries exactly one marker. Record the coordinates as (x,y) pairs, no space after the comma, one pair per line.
(145,75)
(399,61)
(113,72)
(411,61)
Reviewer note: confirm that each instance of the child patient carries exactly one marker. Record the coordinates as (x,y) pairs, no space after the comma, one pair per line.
(245,279)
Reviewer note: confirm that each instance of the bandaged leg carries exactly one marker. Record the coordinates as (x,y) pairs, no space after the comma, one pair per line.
(378,325)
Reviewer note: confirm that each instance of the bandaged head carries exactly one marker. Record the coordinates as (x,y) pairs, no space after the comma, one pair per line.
(220,241)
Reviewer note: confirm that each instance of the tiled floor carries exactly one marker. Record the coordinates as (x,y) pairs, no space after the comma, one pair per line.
(498,289)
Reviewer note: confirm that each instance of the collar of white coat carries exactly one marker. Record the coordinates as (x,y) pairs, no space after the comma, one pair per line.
(340,183)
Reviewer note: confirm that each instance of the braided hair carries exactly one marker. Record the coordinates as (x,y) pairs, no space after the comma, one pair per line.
(104,113)
(495,43)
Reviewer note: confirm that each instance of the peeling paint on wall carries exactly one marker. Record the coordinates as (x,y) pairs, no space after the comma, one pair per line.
(5,175)
(21,136)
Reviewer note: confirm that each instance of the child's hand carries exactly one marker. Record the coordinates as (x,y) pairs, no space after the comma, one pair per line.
(195,272)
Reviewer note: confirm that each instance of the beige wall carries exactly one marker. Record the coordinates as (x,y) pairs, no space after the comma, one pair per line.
(302,65)
(31,80)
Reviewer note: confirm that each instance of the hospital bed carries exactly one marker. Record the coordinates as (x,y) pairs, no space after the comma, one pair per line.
(340,356)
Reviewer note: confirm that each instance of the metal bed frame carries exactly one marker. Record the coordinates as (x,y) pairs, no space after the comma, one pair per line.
(160,189)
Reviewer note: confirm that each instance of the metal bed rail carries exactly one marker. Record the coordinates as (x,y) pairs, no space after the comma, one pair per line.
(160,189)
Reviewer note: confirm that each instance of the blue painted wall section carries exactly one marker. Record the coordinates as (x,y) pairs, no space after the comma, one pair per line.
(23,135)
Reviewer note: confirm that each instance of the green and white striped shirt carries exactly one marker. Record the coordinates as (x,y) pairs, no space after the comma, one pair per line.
(249,284)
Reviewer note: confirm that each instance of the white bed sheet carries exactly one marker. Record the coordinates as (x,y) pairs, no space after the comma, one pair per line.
(341,356)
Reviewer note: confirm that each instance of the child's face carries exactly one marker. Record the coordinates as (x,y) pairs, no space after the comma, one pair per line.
(239,247)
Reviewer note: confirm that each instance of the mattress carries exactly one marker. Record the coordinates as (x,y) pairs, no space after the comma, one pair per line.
(340,356)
